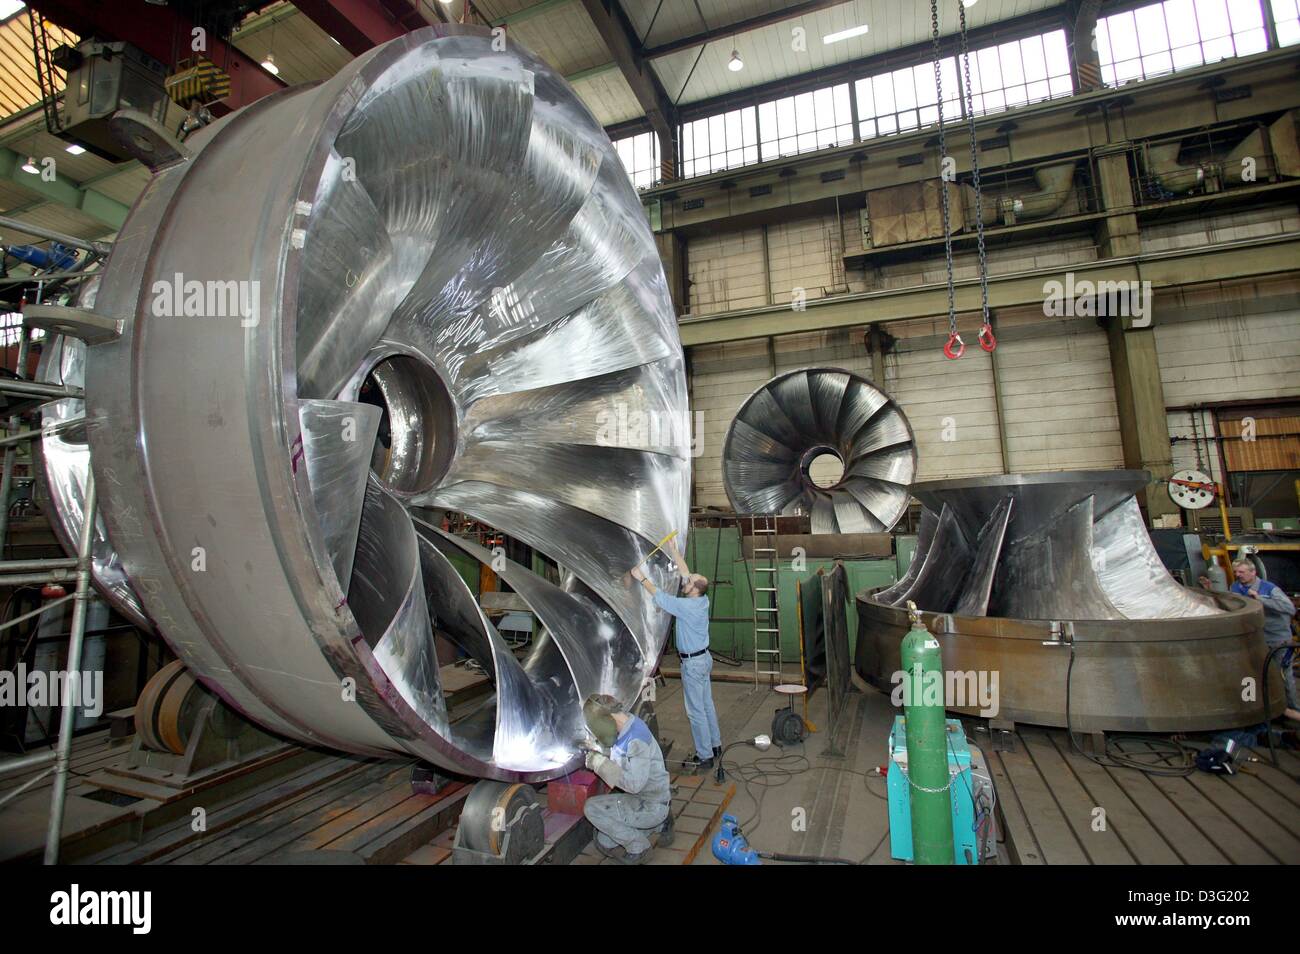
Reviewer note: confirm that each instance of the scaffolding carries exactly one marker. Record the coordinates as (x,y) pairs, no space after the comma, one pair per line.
(55,761)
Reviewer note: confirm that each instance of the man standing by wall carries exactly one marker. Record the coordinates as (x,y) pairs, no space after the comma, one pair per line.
(691,610)
(1278,611)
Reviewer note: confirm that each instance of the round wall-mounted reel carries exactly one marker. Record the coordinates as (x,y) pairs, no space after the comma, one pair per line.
(1192,489)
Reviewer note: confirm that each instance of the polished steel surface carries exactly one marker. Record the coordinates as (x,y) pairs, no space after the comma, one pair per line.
(1056,546)
(801,415)
(450,299)
(64,462)
(1018,573)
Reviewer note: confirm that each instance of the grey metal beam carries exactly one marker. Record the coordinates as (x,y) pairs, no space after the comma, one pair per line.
(740,26)
(620,39)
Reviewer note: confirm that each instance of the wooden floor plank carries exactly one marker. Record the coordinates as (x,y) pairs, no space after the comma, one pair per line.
(87,756)
(439,814)
(283,823)
(361,817)
(1140,836)
(1052,831)
(247,805)
(308,832)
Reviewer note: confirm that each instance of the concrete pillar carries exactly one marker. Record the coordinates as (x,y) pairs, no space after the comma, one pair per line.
(1118,232)
(1140,399)
(672,252)
(876,346)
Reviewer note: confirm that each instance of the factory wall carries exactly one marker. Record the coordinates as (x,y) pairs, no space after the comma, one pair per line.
(1053,407)
(1053,376)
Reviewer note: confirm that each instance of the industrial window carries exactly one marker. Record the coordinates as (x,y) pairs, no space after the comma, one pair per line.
(905,99)
(1009,74)
(719,142)
(1020,72)
(11,328)
(1286,17)
(1176,35)
(640,157)
(806,122)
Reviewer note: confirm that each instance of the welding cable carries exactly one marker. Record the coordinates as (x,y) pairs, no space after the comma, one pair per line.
(1116,757)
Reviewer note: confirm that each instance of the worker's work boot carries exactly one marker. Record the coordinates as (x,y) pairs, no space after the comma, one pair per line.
(717,753)
(628,858)
(666,830)
(698,766)
(617,852)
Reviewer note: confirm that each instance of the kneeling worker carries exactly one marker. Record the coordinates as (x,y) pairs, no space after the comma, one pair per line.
(634,764)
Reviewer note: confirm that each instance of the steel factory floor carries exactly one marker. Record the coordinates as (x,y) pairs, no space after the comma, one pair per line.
(293,805)
(845,814)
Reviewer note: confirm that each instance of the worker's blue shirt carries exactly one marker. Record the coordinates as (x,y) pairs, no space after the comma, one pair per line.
(692,613)
(1278,609)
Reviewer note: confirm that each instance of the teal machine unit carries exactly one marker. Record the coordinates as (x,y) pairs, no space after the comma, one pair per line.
(971,795)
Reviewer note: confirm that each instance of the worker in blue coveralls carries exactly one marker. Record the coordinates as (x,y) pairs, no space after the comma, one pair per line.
(691,611)
(1278,612)
(627,757)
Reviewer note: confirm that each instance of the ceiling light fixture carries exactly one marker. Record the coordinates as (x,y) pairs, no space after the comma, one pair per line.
(735,64)
(268,64)
(830,38)
(30,166)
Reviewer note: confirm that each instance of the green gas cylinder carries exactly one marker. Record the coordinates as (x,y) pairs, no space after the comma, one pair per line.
(927,745)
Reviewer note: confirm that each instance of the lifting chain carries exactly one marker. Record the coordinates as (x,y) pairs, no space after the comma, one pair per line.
(955,346)
(987,341)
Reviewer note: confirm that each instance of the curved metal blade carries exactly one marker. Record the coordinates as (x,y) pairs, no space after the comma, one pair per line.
(974,598)
(337,441)
(827,389)
(601,654)
(893,595)
(347,291)
(936,584)
(823,515)
(588,478)
(1132,574)
(765,415)
(634,408)
(388,601)
(597,551)
(851,516)
(861,403)
(897,466)
(794,396)
(605,335)
(1050,574)
(887,429)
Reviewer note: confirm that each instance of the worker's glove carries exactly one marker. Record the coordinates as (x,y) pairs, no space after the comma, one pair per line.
(591,745)
(606,768)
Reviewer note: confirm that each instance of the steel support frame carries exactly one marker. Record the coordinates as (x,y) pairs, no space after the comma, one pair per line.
(36,572)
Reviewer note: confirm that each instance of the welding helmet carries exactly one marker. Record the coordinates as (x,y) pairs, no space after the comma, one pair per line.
(599,713)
